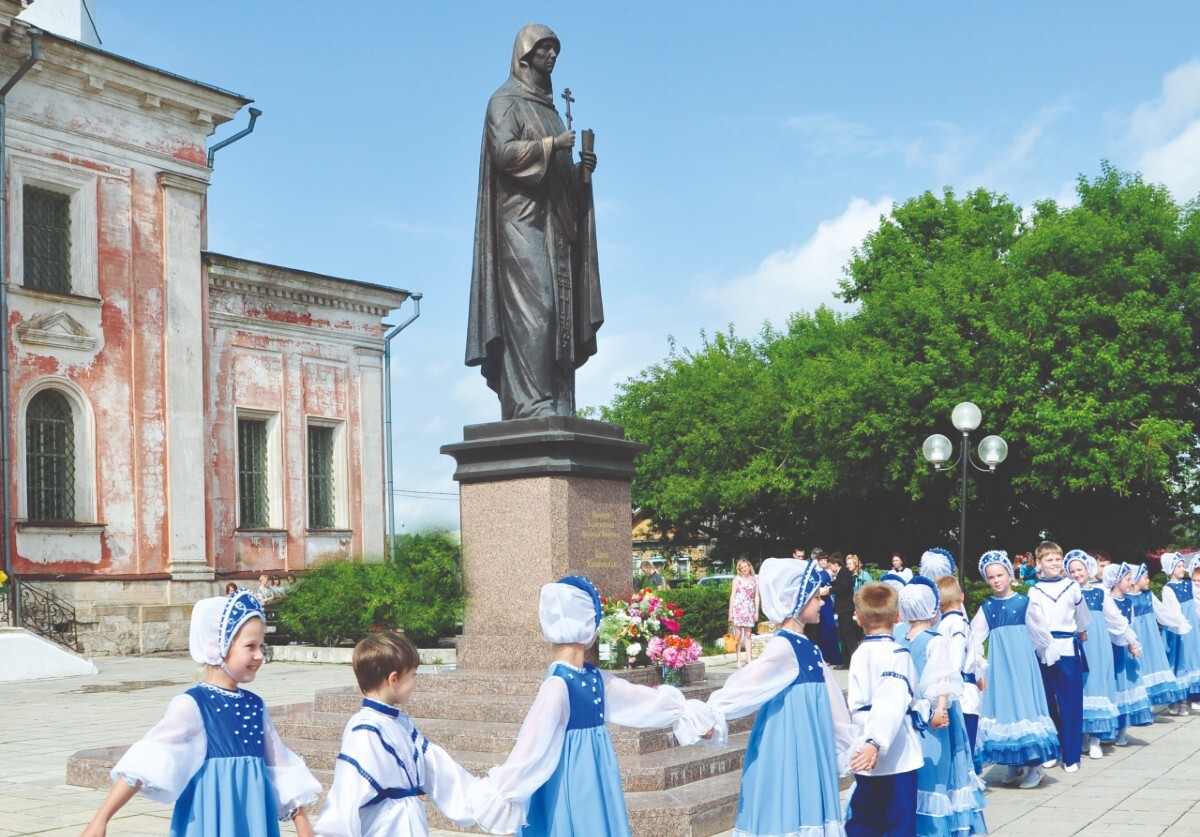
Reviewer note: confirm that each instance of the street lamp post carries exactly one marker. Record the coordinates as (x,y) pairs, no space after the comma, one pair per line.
(937,450)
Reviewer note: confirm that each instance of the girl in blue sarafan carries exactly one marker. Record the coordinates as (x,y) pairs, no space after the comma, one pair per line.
(1183,649)
(802,736)
(1015,728)
(949,794)
(216,754)
(1156,673)
(1110,629)
(562,774)
(1133,702)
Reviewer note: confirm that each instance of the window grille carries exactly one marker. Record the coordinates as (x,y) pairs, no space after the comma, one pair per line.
(50,458)
(47,240)
(254,503)
(320,478)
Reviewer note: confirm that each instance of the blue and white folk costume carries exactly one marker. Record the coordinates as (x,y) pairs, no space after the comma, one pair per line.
(972,666)
(949,794)
(383,768)
(1156,673)
(1101,716)
(1183,649)
(831,651)
(1064,612)
(801,739)
(562,771)
(1015,727)
(1133,701)
(897,582)
(886,709)
(215,754)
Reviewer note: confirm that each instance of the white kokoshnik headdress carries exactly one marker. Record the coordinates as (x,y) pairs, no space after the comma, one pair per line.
(216,621)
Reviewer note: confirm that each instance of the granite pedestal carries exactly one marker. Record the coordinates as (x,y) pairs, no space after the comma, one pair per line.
(539,499)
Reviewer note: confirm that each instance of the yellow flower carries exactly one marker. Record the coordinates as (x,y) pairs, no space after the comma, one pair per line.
(3,578)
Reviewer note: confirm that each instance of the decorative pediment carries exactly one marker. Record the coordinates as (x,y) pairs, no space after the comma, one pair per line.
(58,329)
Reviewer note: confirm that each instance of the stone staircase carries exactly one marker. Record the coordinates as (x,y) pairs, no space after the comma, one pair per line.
(670,791)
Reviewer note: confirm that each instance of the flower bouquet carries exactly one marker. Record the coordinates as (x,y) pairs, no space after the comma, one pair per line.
(672,653)
(628,627)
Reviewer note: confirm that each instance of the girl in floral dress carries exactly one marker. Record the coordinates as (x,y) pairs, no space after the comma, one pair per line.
(743,609)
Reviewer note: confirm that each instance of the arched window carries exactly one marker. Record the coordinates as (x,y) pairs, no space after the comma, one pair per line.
(50,457)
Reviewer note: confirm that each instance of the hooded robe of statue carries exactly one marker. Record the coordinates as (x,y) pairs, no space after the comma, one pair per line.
(535,286)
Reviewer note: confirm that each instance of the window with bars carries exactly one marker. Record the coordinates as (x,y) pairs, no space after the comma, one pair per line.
(47,237)
(321,509)
(50,458)
(254,497)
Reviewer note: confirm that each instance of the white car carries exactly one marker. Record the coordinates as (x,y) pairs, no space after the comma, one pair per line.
(711,580)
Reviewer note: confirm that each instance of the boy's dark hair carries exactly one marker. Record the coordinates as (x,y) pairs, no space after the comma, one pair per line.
(836,558)
(1101,555)
(877,605)
(1047,547)
(379,655)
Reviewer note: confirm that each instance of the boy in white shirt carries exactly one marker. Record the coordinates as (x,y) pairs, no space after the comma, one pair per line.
(1059,601)
(885,711)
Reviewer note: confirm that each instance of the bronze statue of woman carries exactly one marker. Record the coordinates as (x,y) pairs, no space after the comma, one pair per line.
(535,284)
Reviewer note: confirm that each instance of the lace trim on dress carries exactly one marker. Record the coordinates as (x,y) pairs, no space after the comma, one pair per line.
(831,828)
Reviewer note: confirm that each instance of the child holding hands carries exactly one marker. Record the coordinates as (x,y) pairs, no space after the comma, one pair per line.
(216,754)
(561,777)
(801,738)
(886,711)
(385,765)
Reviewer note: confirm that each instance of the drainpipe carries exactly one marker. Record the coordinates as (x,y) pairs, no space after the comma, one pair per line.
(387,420)
(14,600)
(212,152)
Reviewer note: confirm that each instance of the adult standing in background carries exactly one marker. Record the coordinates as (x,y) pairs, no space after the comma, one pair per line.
(855,568)
(535,285)
(744,609)
(842,586)
(899,569)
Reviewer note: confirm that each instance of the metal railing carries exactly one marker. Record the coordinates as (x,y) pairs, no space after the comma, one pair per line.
(46,614)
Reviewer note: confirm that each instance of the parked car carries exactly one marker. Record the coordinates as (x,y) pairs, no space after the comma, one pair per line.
(713,580)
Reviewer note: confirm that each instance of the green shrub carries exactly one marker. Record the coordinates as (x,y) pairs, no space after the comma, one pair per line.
(705,611)
(419,591)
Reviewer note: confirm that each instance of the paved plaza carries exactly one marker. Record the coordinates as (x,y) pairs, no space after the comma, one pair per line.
(1143,789)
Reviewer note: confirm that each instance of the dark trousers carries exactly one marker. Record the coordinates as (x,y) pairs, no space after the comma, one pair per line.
(1064,696)
(849,635)
(883,805)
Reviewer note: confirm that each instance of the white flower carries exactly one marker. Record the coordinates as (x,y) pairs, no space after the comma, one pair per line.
(634,649)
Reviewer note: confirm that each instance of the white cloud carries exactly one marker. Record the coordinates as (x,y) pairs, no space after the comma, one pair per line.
(935,145)
(804,276)
(1165,133)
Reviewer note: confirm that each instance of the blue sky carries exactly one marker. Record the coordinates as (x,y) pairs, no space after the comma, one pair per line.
(744,149)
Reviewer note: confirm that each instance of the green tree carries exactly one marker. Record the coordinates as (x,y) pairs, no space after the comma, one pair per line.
(1074,330)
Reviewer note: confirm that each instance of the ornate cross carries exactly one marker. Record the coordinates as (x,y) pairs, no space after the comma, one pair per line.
(566,94)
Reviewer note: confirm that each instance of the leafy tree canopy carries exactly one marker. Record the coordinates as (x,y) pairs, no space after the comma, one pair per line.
(1074,330)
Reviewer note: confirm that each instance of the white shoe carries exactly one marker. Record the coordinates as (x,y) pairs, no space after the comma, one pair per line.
(1122,739)
(1071,768)
(1049,764)
(1015,774)
(1196,707)
(1174,709)
(1033,778)
(1183,709)
(1094,751)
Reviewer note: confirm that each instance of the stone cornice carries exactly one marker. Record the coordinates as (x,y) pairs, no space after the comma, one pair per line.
(297,331)
(80,69)
(272,282)
(183,181)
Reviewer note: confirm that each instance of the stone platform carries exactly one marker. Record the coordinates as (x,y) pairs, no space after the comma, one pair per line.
(670,791)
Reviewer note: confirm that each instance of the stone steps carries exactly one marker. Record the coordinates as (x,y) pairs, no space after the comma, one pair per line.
(660,770)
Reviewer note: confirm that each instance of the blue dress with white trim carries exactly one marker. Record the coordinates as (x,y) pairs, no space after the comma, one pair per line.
(790,777)
(1100,713)
(1156,673)
(949,794)
(232,794)
(1183,651)
(1133,703)
(1015,725)
(583,796)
